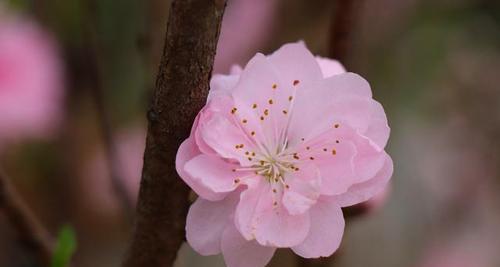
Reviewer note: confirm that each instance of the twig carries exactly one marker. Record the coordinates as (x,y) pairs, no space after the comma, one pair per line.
(95,81)
(181,89)
(343,23)
(33,236)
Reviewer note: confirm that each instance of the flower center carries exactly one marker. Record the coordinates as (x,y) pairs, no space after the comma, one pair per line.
(273,166)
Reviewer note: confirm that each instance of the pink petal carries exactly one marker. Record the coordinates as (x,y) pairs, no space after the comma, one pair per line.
(363,191)
(327,228)
(303,189)
(222,85)
(261,216)
(343,99)
(378,130)
(238,252)
(186,152)
(368,160)
(329,67)
(214,173)
(222,134)
(295,62)
(260,98)
(206,222)
(333,153)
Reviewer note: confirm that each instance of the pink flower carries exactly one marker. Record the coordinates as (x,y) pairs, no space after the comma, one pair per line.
(31,88)
(95,178)
(279,148)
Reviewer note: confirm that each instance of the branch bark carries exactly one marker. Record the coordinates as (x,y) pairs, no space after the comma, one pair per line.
(33,236)
(345,15)
(181,88)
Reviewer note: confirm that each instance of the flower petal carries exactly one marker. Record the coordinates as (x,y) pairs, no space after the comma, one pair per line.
(327,228)
(303,188)
(363,191)
(206,221)
(239,252)
(187,151)
(329,67)
(214,173)
(295,62)
(378,130)
(343,99)
(221,84)
(234,144)
(260,215)
(262,100)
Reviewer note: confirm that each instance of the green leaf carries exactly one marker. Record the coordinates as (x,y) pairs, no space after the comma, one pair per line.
(65,247)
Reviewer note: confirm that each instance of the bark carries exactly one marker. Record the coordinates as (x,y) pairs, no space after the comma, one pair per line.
(181,88)
(32,235)
(346,14)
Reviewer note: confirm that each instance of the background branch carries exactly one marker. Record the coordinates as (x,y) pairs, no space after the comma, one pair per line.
(33,236)
(181,88)
(345,15)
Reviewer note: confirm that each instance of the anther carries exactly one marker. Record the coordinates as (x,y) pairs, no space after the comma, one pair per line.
(275,86)
(270,101)
(336,125)
(285,112)
(296,82)
(334,152)
(290,98)
(244,121)
(233,110)
(254,106)
(266,111)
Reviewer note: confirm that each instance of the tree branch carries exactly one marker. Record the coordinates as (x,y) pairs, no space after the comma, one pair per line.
(181,88)
(33,236)
(346,13)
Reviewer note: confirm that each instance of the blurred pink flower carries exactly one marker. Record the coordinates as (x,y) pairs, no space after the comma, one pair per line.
(461,252)
(31,88)
(246,26)
(130,146)
(279,148)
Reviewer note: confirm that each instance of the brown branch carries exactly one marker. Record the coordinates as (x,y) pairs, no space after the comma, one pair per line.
(33,236)
(181,89)
(344,20)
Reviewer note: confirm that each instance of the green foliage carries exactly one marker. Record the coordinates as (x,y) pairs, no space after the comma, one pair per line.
(66,246)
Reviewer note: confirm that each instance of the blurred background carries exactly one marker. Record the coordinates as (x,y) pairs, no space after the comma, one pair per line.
(76,76)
